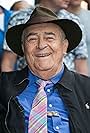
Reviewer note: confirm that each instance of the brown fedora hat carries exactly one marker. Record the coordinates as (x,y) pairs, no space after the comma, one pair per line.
(43,15)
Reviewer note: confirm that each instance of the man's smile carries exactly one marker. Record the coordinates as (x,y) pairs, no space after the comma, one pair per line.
(42,54)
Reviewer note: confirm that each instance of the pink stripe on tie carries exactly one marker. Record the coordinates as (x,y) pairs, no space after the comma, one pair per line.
(38,115)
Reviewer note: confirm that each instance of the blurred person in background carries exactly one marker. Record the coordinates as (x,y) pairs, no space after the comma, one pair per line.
(19,5)
(88,2)
(75,59)
(4,18)
(84,15)
(9,58)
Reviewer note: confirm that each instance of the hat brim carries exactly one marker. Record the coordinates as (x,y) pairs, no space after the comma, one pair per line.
(71,29)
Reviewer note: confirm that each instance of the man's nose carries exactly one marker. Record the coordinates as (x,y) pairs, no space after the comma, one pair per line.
(42,43)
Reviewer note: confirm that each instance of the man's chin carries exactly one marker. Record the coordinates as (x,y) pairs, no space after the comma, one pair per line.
(43,68)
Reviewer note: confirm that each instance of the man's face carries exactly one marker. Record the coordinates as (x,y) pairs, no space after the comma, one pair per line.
(61,4)
(44,47)
(75,2)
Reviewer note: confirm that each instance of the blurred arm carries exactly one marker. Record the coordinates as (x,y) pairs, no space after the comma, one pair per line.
(88,1)
(81,66)
(8,61)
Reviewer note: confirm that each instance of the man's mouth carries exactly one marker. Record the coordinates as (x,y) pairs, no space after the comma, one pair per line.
(43,54)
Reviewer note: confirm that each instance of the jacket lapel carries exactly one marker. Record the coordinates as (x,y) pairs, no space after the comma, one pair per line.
(67,91)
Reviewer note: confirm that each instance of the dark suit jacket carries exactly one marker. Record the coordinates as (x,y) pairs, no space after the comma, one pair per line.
(73,88)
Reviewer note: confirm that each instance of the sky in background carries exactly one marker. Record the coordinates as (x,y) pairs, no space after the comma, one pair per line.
(8,3)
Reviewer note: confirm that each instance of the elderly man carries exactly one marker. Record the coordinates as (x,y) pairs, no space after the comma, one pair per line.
(45,96)
(84,15)
(74,60)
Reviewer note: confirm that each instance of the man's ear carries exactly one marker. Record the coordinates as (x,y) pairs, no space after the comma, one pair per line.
(22,42)
(22,47)
(65,46)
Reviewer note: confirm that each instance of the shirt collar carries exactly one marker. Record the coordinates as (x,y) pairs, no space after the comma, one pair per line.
(58,76)
(32,78)
(68,79)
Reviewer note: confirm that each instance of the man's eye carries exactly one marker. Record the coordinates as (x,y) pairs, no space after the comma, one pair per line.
(31,39)
(50,38)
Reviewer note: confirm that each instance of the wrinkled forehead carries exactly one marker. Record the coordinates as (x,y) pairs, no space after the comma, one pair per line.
(42,27)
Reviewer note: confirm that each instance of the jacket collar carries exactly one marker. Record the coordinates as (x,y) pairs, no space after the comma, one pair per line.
(17,81)
(21,76)
(66,81)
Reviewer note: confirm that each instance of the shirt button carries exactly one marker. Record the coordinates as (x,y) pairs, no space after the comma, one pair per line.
(57,127)
(87,106)
(48,90)
(50,105)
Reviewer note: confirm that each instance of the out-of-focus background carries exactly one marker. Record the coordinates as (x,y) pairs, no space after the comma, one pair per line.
(8,3)
(84,5)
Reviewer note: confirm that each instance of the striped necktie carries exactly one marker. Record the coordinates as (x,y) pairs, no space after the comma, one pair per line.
(38,115)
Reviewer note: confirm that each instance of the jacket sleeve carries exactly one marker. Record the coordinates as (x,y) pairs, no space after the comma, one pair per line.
(2,119)
(2,112)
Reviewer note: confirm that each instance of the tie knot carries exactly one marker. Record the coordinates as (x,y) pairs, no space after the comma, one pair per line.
(42,83)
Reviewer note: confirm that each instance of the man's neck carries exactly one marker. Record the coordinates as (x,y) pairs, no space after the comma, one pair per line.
(47,74)
(74,10)
(49,5)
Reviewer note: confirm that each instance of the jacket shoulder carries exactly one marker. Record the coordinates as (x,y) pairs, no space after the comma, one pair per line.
(82,84)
